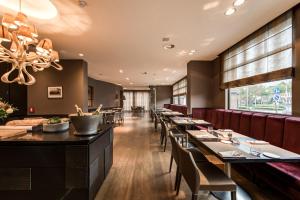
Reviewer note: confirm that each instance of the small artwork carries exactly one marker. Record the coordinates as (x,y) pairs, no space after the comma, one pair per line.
(55,92)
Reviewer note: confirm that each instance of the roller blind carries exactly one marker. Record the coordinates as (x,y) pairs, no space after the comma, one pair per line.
(263,56)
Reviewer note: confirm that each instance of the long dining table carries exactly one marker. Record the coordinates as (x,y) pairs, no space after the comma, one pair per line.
(188,122)
(231,147)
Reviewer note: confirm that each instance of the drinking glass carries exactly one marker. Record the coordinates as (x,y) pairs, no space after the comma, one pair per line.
(210,129)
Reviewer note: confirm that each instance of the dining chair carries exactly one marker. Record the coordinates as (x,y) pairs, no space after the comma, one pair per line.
(202,176)
(197,155)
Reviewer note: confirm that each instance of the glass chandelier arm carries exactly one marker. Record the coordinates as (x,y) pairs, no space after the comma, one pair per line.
(56,66)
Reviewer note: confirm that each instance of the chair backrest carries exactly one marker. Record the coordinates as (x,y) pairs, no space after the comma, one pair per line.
(189,169)
(174,148)
(164,127)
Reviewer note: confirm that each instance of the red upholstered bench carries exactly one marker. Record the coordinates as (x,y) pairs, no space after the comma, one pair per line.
(245,123)
(235,121)
(199,113)
(258,126)
(288,130)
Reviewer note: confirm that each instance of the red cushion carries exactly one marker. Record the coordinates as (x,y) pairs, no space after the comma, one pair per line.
(220,117)
(258,126)
(214,118)
(227,117)
(235,121)
(167,106)
(208,116)
(290,169)
(291,137)
(198,113)
(274,129)
(245,123)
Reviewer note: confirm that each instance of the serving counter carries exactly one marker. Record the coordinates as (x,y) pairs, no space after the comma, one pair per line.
(55,165)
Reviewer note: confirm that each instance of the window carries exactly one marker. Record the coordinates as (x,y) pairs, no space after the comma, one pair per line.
(136,98)
(142,99)
(90,96)
(272,97)
(179,92)
(264,52)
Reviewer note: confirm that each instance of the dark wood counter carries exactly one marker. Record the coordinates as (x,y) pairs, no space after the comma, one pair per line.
(55,165)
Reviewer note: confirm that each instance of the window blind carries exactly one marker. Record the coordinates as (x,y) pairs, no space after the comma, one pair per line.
(263,56)
(180,88)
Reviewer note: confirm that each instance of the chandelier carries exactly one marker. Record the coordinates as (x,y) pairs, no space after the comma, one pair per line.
(20,47)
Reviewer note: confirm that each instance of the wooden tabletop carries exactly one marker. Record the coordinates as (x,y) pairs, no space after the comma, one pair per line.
(247,151)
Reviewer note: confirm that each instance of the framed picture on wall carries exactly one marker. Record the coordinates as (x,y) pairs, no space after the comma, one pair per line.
(55,92)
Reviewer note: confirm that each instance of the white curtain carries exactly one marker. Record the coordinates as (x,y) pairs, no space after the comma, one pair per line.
(142,99)
(129,101)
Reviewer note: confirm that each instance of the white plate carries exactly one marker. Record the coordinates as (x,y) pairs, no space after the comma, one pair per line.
(226,141)
(270,155)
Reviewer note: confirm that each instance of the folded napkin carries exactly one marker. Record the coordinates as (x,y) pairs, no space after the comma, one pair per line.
(257,142)
(231,154)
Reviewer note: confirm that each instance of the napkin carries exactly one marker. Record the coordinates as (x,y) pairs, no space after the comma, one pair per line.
(231,154)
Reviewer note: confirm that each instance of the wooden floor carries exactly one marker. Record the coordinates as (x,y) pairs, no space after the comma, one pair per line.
(140,169)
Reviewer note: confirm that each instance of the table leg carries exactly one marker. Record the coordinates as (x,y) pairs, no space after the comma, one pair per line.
(227,169)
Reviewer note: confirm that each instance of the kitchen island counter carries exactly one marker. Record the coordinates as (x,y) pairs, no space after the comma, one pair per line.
(55,165)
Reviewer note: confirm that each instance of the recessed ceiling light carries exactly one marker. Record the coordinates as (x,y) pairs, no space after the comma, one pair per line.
(174,71)
(169,46)
(127,79)
(238,2)
(119,84)
(165,69)
(131,83)
(193,51)
(230,11)
(81,54)
(121,71)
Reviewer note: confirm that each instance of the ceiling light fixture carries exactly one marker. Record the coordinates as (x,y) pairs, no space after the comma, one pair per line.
(81,54)
(121,71)
(131,83)
(20,47)
(230,11)
(169,46)
(127,79)
(237,3)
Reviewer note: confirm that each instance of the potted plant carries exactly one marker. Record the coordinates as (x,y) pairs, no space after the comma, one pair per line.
(5,110)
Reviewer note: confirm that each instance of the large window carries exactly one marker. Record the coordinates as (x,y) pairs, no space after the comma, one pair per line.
(263,56)
(179,92)
(136,98)
(272,97)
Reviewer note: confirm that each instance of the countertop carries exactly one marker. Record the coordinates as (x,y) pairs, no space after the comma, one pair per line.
(66,137)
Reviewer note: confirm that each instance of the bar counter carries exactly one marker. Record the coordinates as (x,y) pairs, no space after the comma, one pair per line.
(55,165)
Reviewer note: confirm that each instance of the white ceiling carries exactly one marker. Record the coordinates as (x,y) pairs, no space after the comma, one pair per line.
(127,34)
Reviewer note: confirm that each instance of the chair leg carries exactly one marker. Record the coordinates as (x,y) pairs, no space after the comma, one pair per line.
(176,178)
(166,139)
(233,195)
(178,184)
(171,162)
(194,196)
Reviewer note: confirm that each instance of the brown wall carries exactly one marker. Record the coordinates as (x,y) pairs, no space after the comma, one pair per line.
(73,78)
(296,79)
(200,84)
(163,95)
(105,93)
(217,93)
